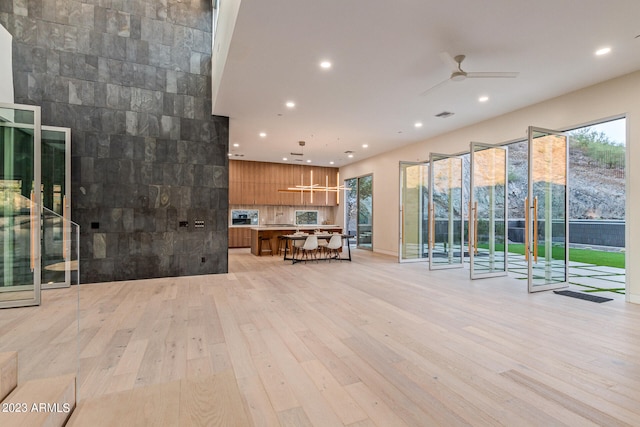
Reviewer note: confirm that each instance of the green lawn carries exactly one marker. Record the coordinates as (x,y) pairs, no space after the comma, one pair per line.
(589,256)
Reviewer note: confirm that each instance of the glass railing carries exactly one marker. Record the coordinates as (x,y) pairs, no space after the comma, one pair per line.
(27,267)
(60,251)
(40,245)
(19,236)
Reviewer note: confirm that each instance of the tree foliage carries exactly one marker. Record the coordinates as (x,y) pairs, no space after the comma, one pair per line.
(598,147)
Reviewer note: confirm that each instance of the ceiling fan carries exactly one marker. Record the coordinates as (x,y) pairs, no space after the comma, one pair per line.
(458,74)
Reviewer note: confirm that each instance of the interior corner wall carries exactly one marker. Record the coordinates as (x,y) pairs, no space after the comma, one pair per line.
(6,67)
(605,100)
(133,82)
(226,24)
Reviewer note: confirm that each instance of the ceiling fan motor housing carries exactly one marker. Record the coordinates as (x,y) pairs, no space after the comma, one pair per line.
(458,76)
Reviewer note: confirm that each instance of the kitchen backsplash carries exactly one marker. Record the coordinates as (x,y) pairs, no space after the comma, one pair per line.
(286,214)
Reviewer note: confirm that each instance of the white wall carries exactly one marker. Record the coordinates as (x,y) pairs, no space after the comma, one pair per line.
(620,96)
(227,17)
(6,67)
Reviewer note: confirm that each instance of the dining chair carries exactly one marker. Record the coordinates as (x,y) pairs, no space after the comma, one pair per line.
(322,245)
(334,245)
(297,244)
(310,246)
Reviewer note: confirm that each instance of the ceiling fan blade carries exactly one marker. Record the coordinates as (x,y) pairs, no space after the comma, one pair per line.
(442,83)
(489,74)
(449,61)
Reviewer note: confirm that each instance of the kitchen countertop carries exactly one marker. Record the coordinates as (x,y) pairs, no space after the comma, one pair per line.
(295,227)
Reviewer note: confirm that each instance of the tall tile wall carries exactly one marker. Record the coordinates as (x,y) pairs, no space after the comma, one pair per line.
(131,78)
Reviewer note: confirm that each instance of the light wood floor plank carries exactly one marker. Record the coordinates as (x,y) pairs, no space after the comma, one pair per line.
(377,410)
(340,370)
(371,342)
(272,377)
(342,403)
(197,396)
(294,417)
(312,401)
(259,406)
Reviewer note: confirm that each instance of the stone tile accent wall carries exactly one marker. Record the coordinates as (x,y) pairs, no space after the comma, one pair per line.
(131,78)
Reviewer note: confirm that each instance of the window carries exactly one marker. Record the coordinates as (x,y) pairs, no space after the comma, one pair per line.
(306,217)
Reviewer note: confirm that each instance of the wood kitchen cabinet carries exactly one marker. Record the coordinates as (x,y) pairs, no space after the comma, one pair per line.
(239,237)
(257,183)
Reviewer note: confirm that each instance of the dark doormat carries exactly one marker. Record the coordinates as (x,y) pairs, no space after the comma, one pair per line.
(580,295)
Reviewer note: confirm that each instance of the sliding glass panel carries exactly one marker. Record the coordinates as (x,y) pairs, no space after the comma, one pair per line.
(351,206)
(546,210)
(365,212)
(414,201)
(19,205)
(56,180)
(445,218)
(488,211)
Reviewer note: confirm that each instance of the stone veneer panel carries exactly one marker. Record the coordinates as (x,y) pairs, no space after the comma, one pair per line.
(131,78)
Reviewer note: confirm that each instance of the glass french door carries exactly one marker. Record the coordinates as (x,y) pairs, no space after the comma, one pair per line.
(359,210)
(414,202)
(56,227)
(488,224)
(365,212)
(546,210)
(446,249)
(19,205)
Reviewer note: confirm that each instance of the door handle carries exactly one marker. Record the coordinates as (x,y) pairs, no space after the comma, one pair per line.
(471,235)
(65,230)
(526,228)
(535,229)
(402,228)
(432,227)
(32,232)
(475,227)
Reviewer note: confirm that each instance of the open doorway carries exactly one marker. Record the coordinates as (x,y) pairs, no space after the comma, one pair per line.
(359,210)
(596,206)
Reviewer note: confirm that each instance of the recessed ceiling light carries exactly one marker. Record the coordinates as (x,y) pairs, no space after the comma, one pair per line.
(309,161)
(236,145)
(417,124)
(350,156)
(325,64)
(290,104)
(483,99)
(229,154)
(262,134)
(285,159)
(331,163)
(603,51)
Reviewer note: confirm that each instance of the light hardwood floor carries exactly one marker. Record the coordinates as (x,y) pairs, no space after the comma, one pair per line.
(366,343)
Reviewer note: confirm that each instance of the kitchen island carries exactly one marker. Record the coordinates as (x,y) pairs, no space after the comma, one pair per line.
(273,231)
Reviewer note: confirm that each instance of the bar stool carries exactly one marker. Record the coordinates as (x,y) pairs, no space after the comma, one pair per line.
(264,239)
(282,244)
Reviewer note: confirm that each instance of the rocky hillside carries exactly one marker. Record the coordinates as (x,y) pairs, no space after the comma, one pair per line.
(596,191)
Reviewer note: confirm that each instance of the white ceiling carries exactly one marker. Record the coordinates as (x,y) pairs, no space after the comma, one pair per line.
(386,53)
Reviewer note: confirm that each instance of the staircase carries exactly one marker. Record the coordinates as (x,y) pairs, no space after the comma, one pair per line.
(51,402)
(44,402)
